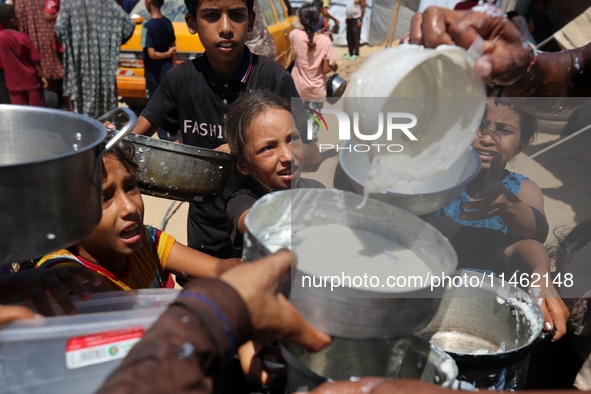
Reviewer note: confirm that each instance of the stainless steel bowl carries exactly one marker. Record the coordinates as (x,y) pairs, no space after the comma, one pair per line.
(430,195)
(180,172)
(50,178)
(345,311)
(489,327)
(405,358)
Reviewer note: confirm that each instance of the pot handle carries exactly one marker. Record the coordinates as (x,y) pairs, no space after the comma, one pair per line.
(117,137)
(278,368)
(545,336)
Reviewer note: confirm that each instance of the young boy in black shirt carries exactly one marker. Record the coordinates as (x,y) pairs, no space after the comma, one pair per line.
(195,96)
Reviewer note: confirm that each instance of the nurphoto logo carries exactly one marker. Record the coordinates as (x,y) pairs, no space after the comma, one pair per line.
(390,124)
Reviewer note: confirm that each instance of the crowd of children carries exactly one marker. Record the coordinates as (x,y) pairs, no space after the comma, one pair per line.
(235,101)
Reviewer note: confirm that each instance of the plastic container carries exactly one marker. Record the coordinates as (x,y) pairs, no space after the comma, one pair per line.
(74,354)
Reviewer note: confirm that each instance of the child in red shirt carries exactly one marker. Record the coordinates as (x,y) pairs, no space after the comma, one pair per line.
(25,79)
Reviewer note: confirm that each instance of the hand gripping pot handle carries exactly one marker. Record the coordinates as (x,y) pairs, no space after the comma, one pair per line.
(132,120)
(545,336)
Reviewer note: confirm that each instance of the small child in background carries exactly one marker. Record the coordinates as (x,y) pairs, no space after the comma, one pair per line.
(158,41)
(268,149)
(269,157)
(25,79)
(313,51)
(121,250)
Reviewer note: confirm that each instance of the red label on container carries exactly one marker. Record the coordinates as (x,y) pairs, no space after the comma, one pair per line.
(101,347)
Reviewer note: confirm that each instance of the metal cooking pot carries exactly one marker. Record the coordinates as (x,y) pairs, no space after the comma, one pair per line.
(488,329)
(180,172)
(50,179)
(343,359)
(335,87)
(344,311)
(430,195)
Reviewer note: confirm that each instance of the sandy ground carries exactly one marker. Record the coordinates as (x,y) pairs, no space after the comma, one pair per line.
(563,173)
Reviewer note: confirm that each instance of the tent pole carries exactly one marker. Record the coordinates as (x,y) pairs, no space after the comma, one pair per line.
(393,22)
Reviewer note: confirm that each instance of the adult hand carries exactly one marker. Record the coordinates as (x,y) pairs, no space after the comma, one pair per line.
(359,23)
(504,54)
(38,284)
(272,316)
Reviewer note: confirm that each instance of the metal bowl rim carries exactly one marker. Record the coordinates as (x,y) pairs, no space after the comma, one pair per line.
(390,193)
(509,353)
(172,147)
(4,108)
(444,239)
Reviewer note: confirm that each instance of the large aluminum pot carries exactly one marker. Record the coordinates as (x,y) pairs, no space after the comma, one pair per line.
(489,328)
(180,172)
(429,195)
(50,179)
(351,312)
(344,359)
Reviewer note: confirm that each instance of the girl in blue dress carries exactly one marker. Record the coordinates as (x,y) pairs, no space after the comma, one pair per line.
(497,223)
(496,198)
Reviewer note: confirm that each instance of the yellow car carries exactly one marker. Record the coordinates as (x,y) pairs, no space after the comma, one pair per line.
(131,85)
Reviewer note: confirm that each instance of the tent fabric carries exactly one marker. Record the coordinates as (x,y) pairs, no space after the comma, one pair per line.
(376,21)
(576,33)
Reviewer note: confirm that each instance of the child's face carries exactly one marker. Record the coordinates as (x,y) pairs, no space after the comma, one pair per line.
(501,134)
(222,26)
(119,231)
(274,150)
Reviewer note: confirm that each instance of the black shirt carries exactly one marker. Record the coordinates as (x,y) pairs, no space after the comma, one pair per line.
(243,199)
(158,34)
(192,98)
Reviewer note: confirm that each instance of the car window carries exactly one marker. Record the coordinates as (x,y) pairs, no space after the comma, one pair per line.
(268,12)
(279,9)
(175,10)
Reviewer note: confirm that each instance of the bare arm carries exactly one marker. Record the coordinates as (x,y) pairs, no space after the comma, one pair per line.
(192,263)
(327,67)
(324,11)
(154,54)
(173,56)
(50,17)
(535,255)
(144,127)
(525,216)
(241,224)
(523,213)
(560,74)
(41,74)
